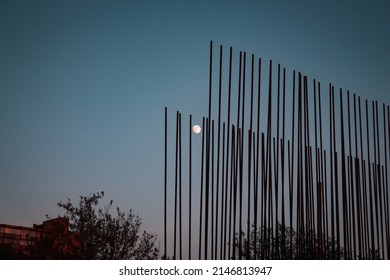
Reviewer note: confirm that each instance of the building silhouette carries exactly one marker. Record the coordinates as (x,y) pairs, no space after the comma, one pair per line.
(49,240)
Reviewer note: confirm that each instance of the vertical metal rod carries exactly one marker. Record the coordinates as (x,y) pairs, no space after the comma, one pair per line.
(207,190)
(374,175)
(276,160)
(176,185)
(379,182)
(376,251)
(351,176)
(201,190)
(263,215)
(274,222)
(384,221)
(358,185)
(370,185)
(299,170)
(165,178)
(235,187)
(283,170)
(249,162)
(247,253)
(224,243)
(318,187)
(291,185)
(255,200)
(363,190)
(223,190)
(366,213)
(257,158)
(180,195)
(208,154)
(344,179)
(336,178)
(241,148)
(306,200)
(385,186)
(218,153)
(232,187)
(323,171)
(268,149)
(189,187)
(290,195)
(331,155)
(326,239)
(237,158)
(212,191)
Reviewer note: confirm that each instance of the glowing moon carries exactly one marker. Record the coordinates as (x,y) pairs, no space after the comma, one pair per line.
(196,129)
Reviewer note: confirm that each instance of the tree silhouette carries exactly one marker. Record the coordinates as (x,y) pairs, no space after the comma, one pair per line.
(304,244)
(7,252)
(102,234)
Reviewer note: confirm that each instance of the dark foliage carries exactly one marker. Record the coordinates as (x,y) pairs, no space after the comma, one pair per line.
(100,234)
(288,244)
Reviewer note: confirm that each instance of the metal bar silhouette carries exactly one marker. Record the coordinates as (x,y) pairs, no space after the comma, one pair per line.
(334,202)
(189,187)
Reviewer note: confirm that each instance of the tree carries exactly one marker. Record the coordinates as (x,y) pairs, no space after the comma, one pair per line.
(103,235)
(7,252)
(287,243)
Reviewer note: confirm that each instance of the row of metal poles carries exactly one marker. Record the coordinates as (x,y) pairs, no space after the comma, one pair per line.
(263,194)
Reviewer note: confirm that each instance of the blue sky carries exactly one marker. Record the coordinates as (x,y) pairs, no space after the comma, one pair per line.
(83,85)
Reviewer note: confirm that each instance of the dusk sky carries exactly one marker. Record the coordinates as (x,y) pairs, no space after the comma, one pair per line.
(83,85)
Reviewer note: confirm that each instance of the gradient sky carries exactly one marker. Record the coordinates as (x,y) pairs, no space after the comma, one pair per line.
(83,85)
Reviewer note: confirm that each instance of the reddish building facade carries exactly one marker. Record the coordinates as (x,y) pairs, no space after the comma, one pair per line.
(49,240)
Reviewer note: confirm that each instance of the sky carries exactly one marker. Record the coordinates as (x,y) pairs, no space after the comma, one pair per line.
(84,84)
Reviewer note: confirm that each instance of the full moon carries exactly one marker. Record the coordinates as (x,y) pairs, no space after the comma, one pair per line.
(196,129)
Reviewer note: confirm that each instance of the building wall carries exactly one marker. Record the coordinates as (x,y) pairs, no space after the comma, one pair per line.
(21,239)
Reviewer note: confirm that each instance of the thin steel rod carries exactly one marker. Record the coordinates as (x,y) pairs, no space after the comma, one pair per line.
(363,187)
(218,152)
(331,155)
(241,159)
(344,179)
(232,187)
(207,186)
(268,156)
(370,185)
(201,191)
(224,243)
(276,160)
(207,190)
(212,191)
(176,185)
(180,195)
(379,182)
(318,186)
(385,186)
(291,185)
(301,183)
(374,175)
(351,176)
(235,187)
(257,158)
(165,178)
(283,166)
(359,206)
(223,191)
(263,214)
(249,161)
(189,187)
